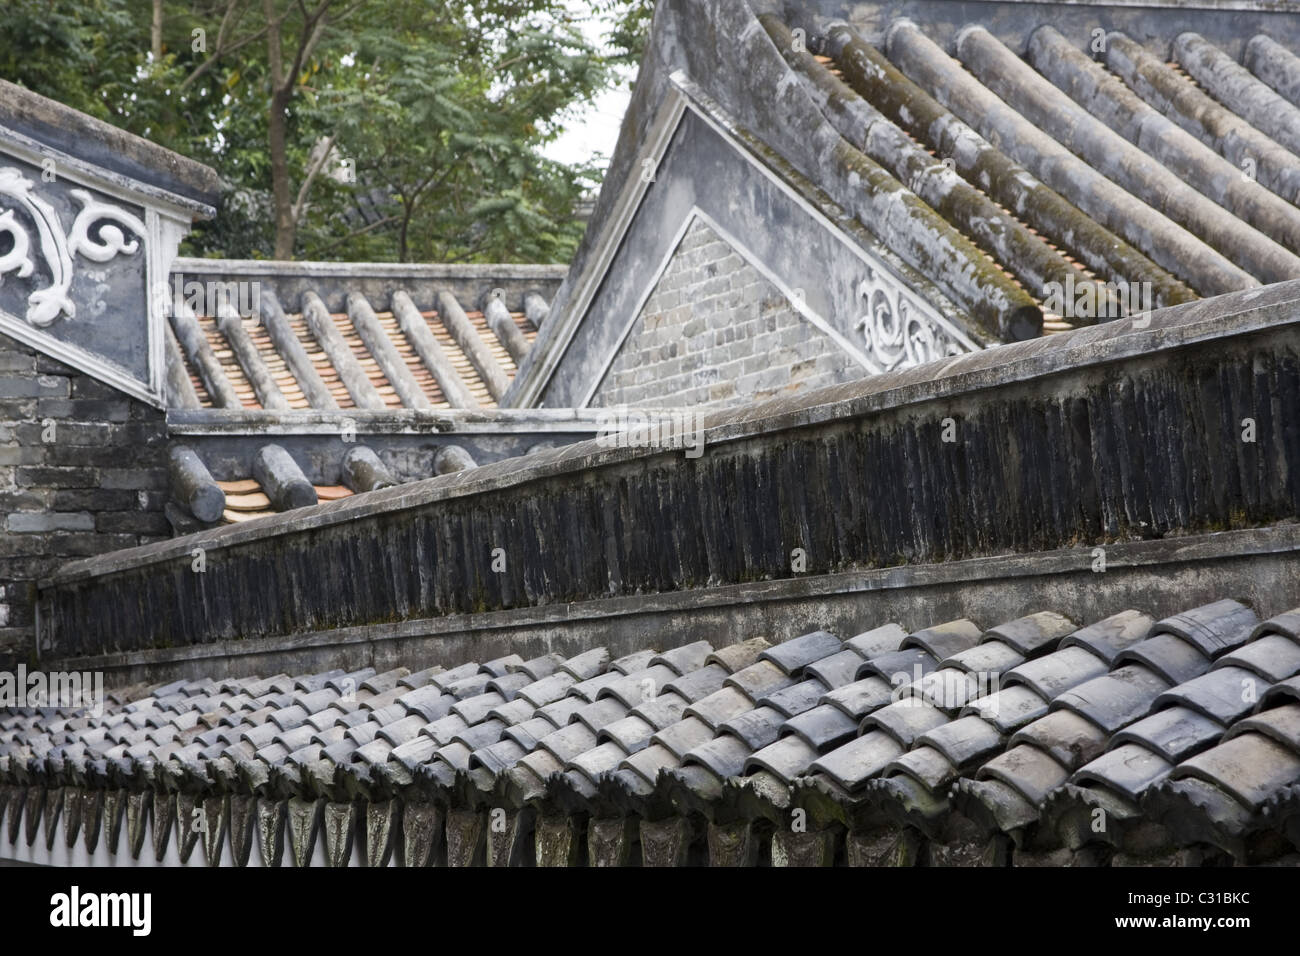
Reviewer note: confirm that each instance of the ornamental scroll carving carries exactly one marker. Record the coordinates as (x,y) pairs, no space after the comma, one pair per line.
(56,248)
(899,335)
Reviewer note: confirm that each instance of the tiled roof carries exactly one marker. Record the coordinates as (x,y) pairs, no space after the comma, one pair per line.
(1184,733)
(380,355)
(1070,167)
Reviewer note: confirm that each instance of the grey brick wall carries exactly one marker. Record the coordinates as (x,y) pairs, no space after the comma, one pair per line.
(82,471)
(715,333)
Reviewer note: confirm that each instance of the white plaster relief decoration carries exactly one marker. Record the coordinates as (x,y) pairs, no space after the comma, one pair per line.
(57,249)
(898,332)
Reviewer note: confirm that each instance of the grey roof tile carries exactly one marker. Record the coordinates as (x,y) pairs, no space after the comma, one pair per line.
(662,711)
(944,640)
(964,741)
(725,756)
(1287,624)
(759,679)
(1249,768)
(796,698)
(600,760)
(480,735)
(500,666)
(648,762)
(1213,628)
(567,743)
(561,711)
(1282,724)
(1109,636)
(925,765)
(794,655)
(898,666)
(474,709)
(1033,773)
(600,714)
(445,728)
(1172,657)
(1116,699)
(822,727)
(639,686)
(699,683)
(588,664)
(548,690)
(509,685)
(636,661)
(527,734)
(1056,672)
(757,728)
(1068,738)
(880,640)
(498,757)
(736,656)
(684,735)
(1273,657)
(539,667)
(1225,695)
(455,754)
(905,720)
(861,697)
(683,660)
(632,733)
(1174,733)
(836,670)
(853,764)
(421,678)
(787,759)
(428,701)
(514,712)
(590,688)
(721,705)
(1032,634)
(469,686)
(1127,769)
(445,679)
(1009,708)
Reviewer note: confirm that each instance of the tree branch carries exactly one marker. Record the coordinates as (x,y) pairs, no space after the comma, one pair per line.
(315,169)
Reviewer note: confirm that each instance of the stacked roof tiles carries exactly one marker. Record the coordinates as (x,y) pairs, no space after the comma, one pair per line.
(1100,184)
(1035,740)
(365,357)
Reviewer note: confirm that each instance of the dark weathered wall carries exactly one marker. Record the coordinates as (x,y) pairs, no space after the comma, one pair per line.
(1100,435)
(715,333)
(82,472)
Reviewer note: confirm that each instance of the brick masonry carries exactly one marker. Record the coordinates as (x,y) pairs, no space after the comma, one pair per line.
(716,333)
(83,471)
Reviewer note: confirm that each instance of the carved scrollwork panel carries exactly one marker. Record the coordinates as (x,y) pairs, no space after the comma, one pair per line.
(99,233)
(898,332)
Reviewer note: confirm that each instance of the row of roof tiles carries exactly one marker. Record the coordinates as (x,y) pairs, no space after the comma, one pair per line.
(366,357)
(1021,732)
(1178,179)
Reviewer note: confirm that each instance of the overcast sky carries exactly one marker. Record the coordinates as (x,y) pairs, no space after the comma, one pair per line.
(595,130)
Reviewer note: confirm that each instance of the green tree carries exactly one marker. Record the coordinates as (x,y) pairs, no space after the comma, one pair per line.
(380,129)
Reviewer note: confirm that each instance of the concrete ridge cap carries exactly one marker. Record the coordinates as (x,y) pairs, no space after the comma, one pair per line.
(939,381)
(36,114)
(415,270)
(1213,546)
(435,419)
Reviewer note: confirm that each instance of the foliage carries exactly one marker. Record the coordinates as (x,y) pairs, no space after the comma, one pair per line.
(412,129)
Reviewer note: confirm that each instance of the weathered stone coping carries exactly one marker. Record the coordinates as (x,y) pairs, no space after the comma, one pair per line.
(412,421)
(1152,575)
